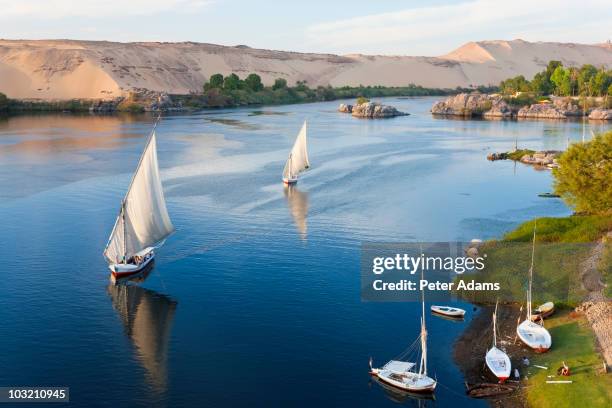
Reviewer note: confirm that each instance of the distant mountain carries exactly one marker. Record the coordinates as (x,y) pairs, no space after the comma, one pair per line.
(63,69)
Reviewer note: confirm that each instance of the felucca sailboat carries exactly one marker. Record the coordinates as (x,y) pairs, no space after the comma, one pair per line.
(497,360)
(298,158)
(143,222)
(531,333)
(401,374)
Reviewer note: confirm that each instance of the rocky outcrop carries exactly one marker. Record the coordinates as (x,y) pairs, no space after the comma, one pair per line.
(544,158)
(541,111)
(499,109)
(567,106)
(371,110)
(473,104)
(601,114)
(345,108)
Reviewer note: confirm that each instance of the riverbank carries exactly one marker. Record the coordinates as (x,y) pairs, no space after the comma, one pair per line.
(142,100)
(581,338)
(573,343)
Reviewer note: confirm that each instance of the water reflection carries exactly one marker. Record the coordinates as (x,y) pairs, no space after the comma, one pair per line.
(147,320)
(404,397)
(298,206)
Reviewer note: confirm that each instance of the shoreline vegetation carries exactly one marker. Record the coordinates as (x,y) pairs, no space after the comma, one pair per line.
(554,93)
(223,92)
(573,268)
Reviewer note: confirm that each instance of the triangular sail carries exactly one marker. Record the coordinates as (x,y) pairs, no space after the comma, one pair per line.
(298,158)
(143,220)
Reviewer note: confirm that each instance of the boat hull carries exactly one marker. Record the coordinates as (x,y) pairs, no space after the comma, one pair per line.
(534,336)
(425,389)
(499,363)
(120,271)
(448,311)
(290,181)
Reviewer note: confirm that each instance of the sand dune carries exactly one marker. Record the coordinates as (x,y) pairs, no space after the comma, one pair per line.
(63,69)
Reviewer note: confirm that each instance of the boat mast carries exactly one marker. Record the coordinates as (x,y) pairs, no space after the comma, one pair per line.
(495,326)
(124,232)
(423,368)
(531,271)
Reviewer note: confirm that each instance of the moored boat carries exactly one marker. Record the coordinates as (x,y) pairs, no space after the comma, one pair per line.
(298,158)
(448,311)
(143,222)
(402,374)
(533,334)
(543,311)
(497,360)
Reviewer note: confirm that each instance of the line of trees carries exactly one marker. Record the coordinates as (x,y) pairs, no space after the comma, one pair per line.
(231,90)
(586,81)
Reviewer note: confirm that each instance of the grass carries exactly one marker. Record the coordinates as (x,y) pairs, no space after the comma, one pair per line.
(562,245)
(518,154)
(573,229)
(574,343)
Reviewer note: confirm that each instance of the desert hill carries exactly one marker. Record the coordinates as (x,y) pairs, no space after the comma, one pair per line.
(63,69)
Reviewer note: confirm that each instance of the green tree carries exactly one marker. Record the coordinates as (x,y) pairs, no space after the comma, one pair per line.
(3,102)
(551,67)
(253,82)
(585,75)
(279,83)
(562,81)
(600,82)
(583,176)
(301,86)
(513,85)
(231,82)
(215,81)
(541,84)
(362,99)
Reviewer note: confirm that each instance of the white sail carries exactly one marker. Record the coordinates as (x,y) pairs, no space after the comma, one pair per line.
(298,158)
(143,220)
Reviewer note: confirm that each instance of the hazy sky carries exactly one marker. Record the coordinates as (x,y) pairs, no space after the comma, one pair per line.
(337,26)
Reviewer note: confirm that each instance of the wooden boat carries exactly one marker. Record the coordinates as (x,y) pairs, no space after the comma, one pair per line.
(497,360)
(402,374)
(533,334)
(448,311)
(143,222)
(298,158)
(543,311)
(549,195)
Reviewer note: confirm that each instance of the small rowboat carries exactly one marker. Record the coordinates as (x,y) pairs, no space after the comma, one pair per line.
(448,311)
(543,311)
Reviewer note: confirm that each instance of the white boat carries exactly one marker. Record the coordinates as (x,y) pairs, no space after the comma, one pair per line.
(143,222)
(497,360)
(543,311)
(402,374)
(448,311)
(533,334)
(298,158)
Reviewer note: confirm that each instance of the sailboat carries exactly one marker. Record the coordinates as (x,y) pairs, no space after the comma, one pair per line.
(497,360)
(298,158)
(143,222)
(401,374)
(533,334)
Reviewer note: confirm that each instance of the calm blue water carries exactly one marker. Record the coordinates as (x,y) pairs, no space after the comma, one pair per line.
(255,300)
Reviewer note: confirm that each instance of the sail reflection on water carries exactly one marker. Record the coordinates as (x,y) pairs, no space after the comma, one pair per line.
(298,206)
(147,319)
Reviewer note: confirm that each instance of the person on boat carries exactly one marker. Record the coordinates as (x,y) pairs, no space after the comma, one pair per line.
(525,361)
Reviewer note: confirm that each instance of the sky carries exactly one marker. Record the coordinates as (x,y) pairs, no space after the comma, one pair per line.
(388,27)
